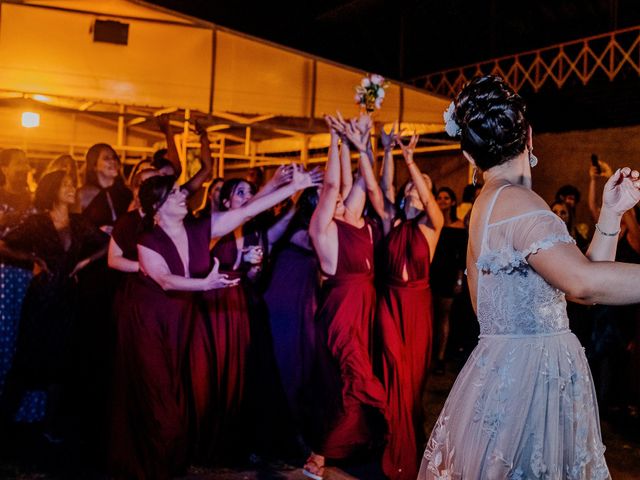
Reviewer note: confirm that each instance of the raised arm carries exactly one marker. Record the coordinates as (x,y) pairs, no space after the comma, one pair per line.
(387,172)
(621,193)
(164,124)
(423,186)
(282,176)
(225,222)
(357,132)
(323,215)
(346,177)
(206,163)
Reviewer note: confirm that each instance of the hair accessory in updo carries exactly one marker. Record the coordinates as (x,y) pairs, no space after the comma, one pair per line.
(450,125)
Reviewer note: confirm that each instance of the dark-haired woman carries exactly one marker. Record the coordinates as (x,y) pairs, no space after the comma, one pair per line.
(351,397)
(523,405)
(220,354)
(447,270)
(150,425)
(61,244)
(405,310)
(103,196)
(292,299)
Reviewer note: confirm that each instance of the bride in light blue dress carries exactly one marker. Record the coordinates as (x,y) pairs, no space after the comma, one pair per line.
(524,405)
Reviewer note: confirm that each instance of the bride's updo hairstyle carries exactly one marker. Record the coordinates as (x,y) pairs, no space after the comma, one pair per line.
(492,121)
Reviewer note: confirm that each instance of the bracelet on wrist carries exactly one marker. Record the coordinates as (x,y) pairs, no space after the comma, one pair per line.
(606,234)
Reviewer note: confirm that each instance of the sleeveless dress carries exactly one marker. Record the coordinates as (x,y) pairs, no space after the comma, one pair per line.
(404,316)
(524,405)
(352,394)
(219,363)
(292,300)
(150,423)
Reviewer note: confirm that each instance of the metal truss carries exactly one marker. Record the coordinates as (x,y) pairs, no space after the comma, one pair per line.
(610,55)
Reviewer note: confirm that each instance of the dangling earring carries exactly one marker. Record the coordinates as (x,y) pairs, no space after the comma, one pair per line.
(533,160)
(474,179)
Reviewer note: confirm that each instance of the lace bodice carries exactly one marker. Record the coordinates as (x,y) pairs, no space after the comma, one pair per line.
(512,299)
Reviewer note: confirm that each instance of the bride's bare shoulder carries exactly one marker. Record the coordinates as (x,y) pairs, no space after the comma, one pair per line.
(516,200)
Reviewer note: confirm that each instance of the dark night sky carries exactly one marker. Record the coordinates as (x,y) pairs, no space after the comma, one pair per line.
(404,40)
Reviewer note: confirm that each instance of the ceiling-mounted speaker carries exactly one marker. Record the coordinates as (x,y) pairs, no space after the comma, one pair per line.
(110,31)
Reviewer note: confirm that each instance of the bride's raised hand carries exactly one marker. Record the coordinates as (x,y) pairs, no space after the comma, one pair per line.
(622,190)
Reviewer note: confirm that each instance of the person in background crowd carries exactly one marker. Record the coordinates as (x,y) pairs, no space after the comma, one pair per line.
(447,271)
(61,244)
(295,277)
(15,274)
(566,214)
(255,176)
(223,429)
(66,163)
(469,195)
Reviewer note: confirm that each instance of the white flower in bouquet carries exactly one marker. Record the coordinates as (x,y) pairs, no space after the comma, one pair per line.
(371,92)
(377,79)
(450,125)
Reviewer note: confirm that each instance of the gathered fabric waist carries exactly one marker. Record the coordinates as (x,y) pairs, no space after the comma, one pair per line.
(395,282)
(348,279)
(525,335)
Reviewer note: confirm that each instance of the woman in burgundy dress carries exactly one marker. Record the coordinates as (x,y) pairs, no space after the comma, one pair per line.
(150,420)
(353,397)
(222,352)
(405,312)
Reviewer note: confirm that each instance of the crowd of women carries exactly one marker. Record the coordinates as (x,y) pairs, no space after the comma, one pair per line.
(293,319)
(297,317)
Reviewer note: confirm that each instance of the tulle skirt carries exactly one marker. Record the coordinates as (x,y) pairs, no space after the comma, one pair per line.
(521,408)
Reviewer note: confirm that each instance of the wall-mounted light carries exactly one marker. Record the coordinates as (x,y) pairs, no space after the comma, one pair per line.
(30,119)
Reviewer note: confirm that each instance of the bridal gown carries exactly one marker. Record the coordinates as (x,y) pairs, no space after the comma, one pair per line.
(524,405)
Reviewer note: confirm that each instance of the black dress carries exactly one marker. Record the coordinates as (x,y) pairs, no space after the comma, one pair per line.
(46,335)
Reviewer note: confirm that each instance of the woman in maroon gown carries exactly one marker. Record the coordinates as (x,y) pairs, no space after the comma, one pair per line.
(152,363)
(221,356)
(354,398)
(405,311)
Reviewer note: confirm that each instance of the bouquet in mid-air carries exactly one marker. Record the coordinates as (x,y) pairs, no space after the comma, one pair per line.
(371,92)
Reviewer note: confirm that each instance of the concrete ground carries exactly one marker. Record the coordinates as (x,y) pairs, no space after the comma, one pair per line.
(621,436)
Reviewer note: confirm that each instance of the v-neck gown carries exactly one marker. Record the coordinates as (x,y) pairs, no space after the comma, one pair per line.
(150,418)
(353,398)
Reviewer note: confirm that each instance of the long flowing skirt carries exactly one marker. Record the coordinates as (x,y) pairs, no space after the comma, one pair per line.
(522,407)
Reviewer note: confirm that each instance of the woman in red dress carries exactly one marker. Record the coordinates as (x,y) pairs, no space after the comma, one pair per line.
(154,339)
(405,310)
(354,397)
(221,350)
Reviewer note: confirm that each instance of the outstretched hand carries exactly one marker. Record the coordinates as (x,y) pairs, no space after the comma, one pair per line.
(302,179)
(622,190)
(409,148)
(215,279)
(389,140)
